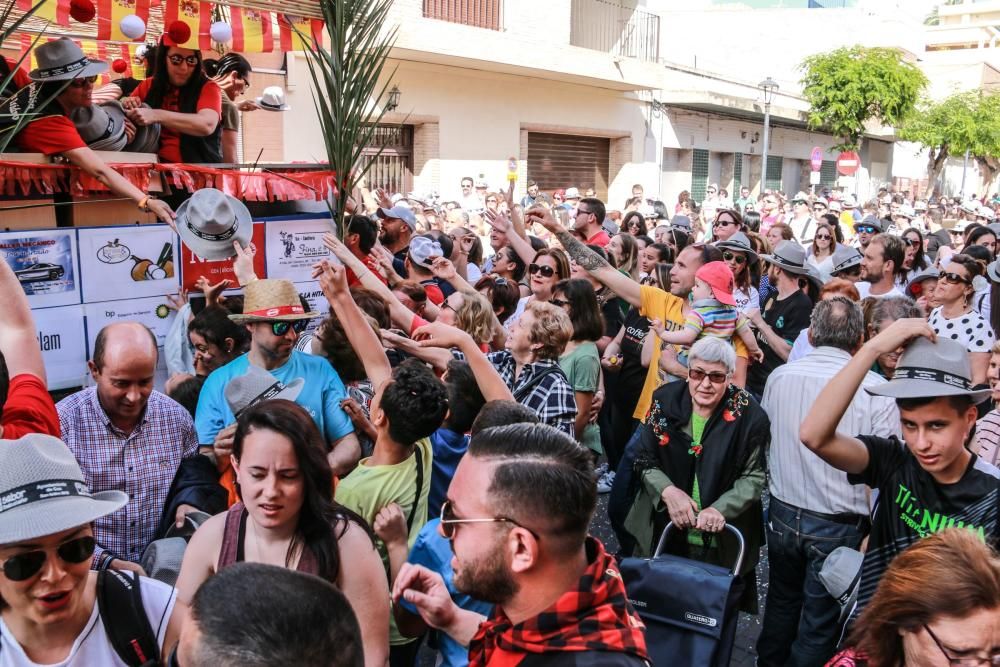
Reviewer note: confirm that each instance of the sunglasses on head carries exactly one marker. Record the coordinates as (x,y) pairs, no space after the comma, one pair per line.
(733,257)
(26,565)
(546,271)
(82,81)
(953,278)
(179,59)
(865,229)
(281,328)
(715,377)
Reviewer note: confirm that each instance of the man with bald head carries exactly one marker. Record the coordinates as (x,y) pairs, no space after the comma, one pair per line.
(127,437)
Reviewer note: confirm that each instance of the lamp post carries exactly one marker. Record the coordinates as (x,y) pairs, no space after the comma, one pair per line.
(392,102)
(768,86)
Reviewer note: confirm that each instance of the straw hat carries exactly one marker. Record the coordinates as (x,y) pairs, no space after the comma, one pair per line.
(273,300)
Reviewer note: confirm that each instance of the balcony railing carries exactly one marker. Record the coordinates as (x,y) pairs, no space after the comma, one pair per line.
(615,29)
(477,13)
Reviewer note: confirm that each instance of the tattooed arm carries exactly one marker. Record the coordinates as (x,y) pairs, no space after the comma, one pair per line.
(598,267)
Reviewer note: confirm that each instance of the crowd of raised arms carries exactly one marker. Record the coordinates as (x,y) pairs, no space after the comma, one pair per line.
(409,474)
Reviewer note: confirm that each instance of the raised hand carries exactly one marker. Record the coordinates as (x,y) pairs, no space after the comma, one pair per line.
(243,263)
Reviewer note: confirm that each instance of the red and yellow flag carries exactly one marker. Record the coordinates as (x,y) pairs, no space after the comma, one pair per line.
(56,11)
(290,27)
(253,31)
(198,16)
(111,12)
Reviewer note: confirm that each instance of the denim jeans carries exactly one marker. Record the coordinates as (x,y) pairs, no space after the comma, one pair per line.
(620,500)
(801,627)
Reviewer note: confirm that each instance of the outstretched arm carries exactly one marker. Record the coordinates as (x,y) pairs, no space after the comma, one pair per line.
(586,258)
(439,335)
(18,336)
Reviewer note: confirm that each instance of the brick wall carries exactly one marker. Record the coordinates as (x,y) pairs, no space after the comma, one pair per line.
(264,129)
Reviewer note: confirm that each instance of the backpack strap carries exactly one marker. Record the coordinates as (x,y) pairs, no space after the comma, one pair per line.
(119,602)
(420,487)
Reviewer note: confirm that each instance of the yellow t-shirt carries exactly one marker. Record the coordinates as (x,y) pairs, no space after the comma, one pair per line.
(664,306)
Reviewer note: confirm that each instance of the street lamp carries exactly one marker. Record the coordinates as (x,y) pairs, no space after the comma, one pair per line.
(768,86)
(393,102)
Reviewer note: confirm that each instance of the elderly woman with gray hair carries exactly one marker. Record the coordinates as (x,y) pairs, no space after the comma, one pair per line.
(701,465)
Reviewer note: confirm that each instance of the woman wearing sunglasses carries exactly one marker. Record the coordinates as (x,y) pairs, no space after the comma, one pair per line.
(739,256)
(937,605)
(49,613)
(184,101)
(955,318)
(914,259)
(727,222)
(700,465)
(821,250)
(232,74)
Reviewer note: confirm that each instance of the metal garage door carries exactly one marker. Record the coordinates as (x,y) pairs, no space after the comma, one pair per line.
(565,160)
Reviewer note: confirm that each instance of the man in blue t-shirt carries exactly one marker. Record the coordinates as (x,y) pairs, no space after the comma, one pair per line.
(273,314)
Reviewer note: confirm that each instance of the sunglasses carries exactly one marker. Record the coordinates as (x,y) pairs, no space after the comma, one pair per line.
(559,302)
(26,565)
(954,279)
(800,202)
(715,377)
(724,223)
(909,243)
(546,271)
(449,523)
(178,60)
(864,229)
(733,257)
(83,81)
(826,237)
(281,328)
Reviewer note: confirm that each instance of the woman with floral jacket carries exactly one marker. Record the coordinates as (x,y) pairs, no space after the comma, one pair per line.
(701,465)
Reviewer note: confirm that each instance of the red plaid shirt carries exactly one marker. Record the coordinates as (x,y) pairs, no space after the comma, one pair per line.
(594,616)
(141,463)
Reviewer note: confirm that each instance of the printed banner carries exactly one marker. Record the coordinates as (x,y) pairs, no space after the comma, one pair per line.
(253,31)
(128,262)
(45,265)
(293,246)
(154,312)
(194,267)
(312,293)
(111,12)
(64,345)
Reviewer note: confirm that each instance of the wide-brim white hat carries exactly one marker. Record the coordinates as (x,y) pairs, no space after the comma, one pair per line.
(272,98)
(210,220)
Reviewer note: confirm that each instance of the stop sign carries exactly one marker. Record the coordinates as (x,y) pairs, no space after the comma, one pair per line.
(848,163)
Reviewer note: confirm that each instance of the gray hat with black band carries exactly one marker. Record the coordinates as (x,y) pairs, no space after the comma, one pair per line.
(738,242)
(210,220)
(256,386)
(928,370)
(43,492)
(844,259)
(101,126)
(146,138)
(62,60)
(789,256)
(840,574)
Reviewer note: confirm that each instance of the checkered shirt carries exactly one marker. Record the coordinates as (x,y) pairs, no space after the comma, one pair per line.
(141,463)
(552,399)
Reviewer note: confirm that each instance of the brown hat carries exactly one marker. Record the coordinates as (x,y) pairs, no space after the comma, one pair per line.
(272,300)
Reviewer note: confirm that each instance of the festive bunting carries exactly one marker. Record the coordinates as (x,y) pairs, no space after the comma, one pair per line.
(252,31)
(198,17)
(96,51)
(290,28)
(56,11)
(110,14)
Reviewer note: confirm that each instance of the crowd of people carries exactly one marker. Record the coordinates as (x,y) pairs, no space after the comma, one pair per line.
(418,467)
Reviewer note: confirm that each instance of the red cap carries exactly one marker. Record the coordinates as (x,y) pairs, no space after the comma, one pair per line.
(720,278)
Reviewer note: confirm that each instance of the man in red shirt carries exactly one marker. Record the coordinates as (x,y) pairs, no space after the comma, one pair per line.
(184,101)
(589,222)
(25,404)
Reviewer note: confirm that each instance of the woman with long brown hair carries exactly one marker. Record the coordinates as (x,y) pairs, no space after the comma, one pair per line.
(938,604)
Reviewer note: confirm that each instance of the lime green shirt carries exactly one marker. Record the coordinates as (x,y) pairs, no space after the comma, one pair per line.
(697,428)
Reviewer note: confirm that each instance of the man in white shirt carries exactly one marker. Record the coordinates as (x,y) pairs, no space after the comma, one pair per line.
(882,260)
(802,223)
(814,509)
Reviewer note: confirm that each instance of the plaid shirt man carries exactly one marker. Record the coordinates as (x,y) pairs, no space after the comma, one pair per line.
(552,397)
(141,463)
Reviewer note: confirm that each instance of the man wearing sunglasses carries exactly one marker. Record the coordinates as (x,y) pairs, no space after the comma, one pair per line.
(803,223)
(527,490)
(589,222)
(865,230)
(275,315)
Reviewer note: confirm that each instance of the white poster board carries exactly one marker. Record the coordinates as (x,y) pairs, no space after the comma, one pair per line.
(151,311)
(63,344)
(128,262)
(293,246)
(45,264)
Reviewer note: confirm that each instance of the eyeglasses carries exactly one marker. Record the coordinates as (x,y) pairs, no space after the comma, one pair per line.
(715,377)
(26,565)
(176,59)
(724,223)
(972,661)
(449,523)
(800,202)
(546,271)
(864,229)
(281,328)
(559,302)
(955,279)
(733,257)
(825,237)
(83,81)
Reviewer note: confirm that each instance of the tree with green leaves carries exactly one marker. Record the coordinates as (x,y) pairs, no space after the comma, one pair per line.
(853,86)
(968,121)
(346,87)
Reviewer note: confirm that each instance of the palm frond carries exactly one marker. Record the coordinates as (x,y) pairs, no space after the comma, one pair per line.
(7,30)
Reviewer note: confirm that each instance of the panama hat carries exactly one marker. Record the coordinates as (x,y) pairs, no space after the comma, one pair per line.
(257,385)
(928,370)
(146,138)
(789,256)
(43,492)
(272,98)
(210,220)
(272,300)
(740,243)
(844,258)
(62,60)
(101,126)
